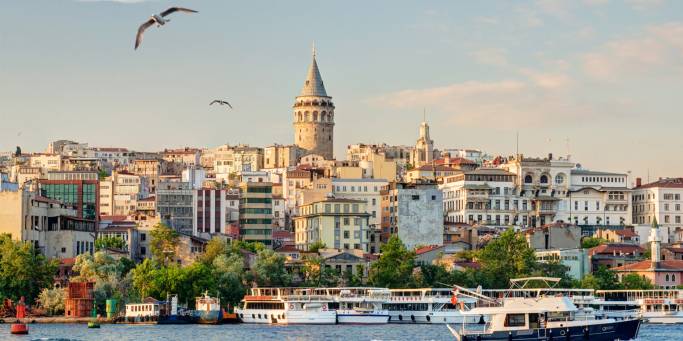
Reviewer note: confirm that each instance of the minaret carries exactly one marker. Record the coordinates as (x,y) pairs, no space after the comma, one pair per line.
(314,115)
(655,243)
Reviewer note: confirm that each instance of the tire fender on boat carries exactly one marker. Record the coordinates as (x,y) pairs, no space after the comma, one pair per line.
(400,317)
(412,318)
(428,318)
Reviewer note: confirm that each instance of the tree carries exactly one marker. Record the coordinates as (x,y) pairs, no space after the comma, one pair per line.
(110,242)
(601,279)
(109,275)
(394,268)
(431,275)
(316,274)
(269,269)
(591,242)
(23,271)
(317,245)
(506,257)
(635,282)
(143,278)
(163,243)
(52,300)
(229,274)
(214,248)
(17,152)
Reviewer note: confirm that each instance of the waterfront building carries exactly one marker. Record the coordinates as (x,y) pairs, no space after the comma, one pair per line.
(414,212)
(661,200)
(256,212)
(577,260)
(213,211)
(75,189)
(544,183)
(55,228)
(486,196)
(597,199)
(665,274)
(338,223)
(314,115)
(174,204)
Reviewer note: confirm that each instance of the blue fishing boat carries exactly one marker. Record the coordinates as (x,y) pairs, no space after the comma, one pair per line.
(208,309)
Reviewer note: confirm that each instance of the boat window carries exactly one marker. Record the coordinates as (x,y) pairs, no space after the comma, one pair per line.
(515,320)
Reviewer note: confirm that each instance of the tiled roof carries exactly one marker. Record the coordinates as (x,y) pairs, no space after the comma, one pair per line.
(626,233)
(675,249)
(287,248)
(672,265)
(664,183)
(427,248)
(618,248)
(439,168)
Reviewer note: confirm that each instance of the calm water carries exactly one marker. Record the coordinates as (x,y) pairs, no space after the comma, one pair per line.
(258,333)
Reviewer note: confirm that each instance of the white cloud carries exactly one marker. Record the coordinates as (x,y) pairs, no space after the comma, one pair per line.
(658,48)
(644,4)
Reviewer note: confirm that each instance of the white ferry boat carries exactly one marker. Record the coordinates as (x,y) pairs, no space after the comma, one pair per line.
(429,305)
(663,306)
(286,306)
(543,318)
(358,305)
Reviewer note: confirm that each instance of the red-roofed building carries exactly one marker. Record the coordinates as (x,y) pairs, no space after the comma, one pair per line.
(666,274)
(615,255)
(626,236)
(459,163)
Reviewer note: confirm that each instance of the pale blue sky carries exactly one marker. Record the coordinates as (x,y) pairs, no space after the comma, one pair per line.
(606,74)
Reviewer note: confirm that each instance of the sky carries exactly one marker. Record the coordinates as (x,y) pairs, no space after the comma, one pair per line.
(601,80)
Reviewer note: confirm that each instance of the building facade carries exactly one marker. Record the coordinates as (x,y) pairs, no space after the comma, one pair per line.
(338,223)
(661,200)
(414,212)
(256,212)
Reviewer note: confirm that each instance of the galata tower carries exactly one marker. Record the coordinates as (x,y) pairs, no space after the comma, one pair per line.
(314,115)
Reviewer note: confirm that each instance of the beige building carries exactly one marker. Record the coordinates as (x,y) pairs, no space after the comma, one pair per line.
(120,192)
(185,156)
(256,212)
(230,161)
(314,115)
(338,223)
(279,156)
(423,154)
(48,224)
(661,200)
(47,162)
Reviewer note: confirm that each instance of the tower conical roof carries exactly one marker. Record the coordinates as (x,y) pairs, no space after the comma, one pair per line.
(313,86)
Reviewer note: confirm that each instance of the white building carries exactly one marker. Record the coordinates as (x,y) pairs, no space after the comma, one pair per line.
(485,196)
(195,176)
(367,190)
(661,199)
(213,210)
(120,192)
(597,198)
(414,212)
(576,260)
(47,162)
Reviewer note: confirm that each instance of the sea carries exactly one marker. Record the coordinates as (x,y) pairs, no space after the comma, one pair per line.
(251,332)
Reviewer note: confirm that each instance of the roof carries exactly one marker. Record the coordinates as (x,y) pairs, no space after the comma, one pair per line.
(455,161)
(489,171)
(287,248)
(427,248)
(618,248)
(670,265)
(626,233)
(313,86)
(358,180)
(664,183)
(439,168)
(589,172)
(674,249)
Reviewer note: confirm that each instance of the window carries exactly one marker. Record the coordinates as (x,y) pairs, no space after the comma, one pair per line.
(544,179)
(346,234)
(415,197)
(528,179)
(515,320)
(559,179)
(143,236)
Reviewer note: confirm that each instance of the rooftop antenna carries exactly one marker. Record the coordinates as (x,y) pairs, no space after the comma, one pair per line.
(424,114)
(313,48)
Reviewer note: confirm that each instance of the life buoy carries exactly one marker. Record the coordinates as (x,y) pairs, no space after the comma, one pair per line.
(291,306)
(324,307)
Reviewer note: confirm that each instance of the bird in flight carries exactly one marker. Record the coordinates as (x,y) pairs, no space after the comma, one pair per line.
(220,102)
(160,20)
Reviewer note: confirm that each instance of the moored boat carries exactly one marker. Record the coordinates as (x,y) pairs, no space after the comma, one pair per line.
(152,311)
(428,305)
(286,306)
(661,306)
(358,305)
(208,309)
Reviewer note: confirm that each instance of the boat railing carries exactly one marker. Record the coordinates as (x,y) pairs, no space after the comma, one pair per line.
(307,298)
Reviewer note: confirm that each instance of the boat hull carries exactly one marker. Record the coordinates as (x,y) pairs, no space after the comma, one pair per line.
(438,317)
(208,317)
(619,330)
(353,317)
(287,317)
(663,318)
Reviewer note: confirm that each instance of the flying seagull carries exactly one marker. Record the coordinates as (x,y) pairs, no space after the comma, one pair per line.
(221,103)
(158,19)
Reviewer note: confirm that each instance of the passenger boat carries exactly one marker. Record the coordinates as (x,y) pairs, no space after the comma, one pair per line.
(286,306)
(208,309)
(544,318)
(152,311)
(663,306)
(429,305)
(358,305)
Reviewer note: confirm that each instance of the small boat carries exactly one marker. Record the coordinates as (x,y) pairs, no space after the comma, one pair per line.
(152,311)
(286,306)
(543,318)
(208,309)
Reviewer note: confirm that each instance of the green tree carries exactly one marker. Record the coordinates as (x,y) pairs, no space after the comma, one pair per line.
(109,275)
(601,279)
(394,268)
(229,274)
(23,271)
(432,275)
(52,300)
(315,246)
(110,242)
(214,248)
(635,282)
(163,243)
(269,269)
(591,242)
(144,278)
(506,257)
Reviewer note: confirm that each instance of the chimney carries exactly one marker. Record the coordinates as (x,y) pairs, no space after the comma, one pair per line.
(639,182)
